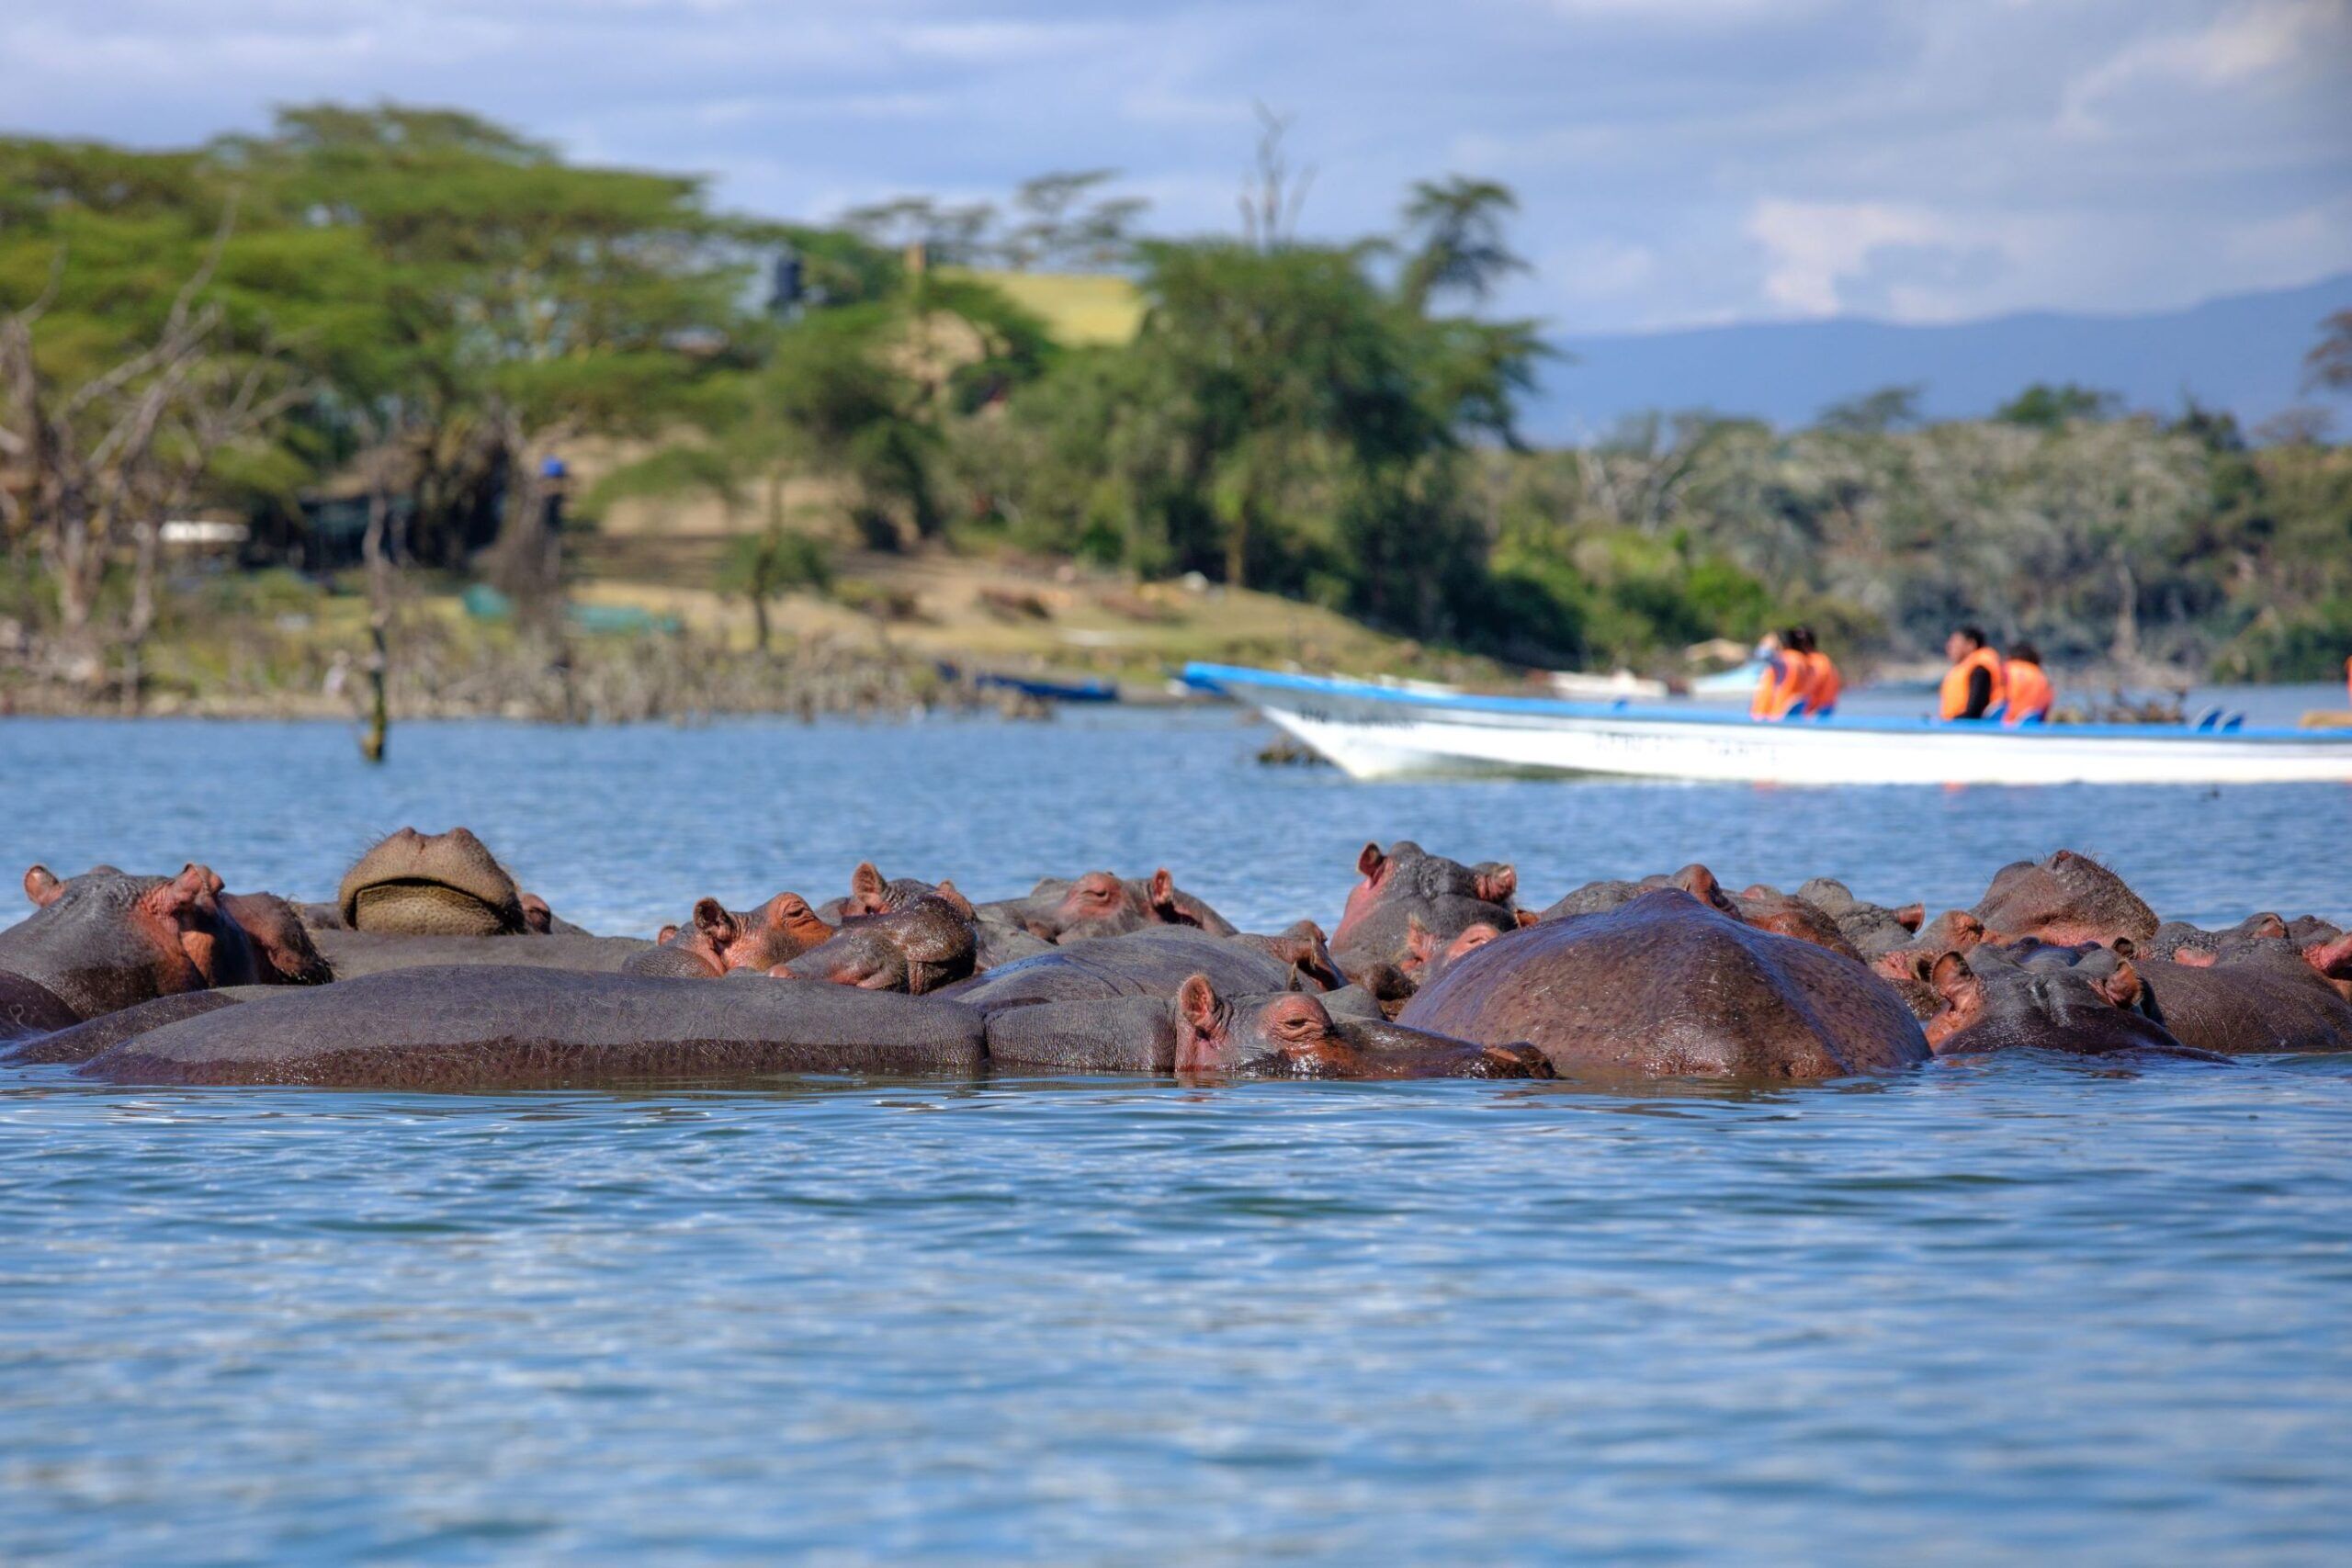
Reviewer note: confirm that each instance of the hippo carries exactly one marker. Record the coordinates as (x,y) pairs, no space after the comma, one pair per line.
(1667,986)
(718,939)
(1600,897)
(1302,946)
(80,1041)
(918,948)
(414,883)
(2254,995)
(2063,898)
(1793,915)
(1199,1033)
(487,1026)
(1996,999)
(352,954)
(1151,963)
(1404,884)
(1766,908)
(106,941)
(1872,929)
(1103,904)
(282,948)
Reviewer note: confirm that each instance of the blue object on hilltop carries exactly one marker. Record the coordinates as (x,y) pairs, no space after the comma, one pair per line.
(552,468)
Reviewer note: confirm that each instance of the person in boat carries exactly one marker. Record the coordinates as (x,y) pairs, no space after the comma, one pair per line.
(2028,690)
(1769,699)
(1972,686)
(1819,683)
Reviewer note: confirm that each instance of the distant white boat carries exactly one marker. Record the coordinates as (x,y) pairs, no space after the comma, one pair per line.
(1383,731)
(1579,687)
(1737,682)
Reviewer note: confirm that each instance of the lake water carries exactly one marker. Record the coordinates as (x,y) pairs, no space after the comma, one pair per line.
(2021,1306)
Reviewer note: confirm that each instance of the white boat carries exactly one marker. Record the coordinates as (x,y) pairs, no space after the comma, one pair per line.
(1579,686)
(1377,731)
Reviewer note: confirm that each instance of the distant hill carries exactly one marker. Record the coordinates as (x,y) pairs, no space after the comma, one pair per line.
(2242,353)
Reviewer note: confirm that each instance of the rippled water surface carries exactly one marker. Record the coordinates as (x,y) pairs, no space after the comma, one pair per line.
(2015,1306)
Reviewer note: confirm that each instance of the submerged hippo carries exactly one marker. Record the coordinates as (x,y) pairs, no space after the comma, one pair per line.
(97,943)
(924,944)
(2062,898)
(716,941)
(1667,986)
(1103,904)
(2046,999)
(487,1027)
(414,884)
(1405,885)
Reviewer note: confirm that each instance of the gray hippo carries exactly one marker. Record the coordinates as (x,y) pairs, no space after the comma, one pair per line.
(1666,985)
(105,940)
(1404,886)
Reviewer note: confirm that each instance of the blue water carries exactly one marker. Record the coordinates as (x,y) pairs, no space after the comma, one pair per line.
(2012,1306)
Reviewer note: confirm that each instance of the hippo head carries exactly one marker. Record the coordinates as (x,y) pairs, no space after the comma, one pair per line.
(1301,947)
(416,884)
(929,941)
(1292,1034)
(2045,997)
(1404,883)
(871,893)
(721,939)
(281,946)
(1426,956)
(1790,915)
(105,940)
(2332,956)
(2066,897)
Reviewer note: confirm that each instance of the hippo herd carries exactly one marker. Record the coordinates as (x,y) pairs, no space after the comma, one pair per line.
(432,968)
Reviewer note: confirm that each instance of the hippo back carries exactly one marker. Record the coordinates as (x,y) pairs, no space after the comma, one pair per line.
(1667,986)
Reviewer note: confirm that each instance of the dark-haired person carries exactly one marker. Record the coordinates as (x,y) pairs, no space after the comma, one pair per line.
(2026,687)
(1819,683)
(1973,687)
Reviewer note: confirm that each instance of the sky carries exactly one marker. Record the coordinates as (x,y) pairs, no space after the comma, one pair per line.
(1677,162)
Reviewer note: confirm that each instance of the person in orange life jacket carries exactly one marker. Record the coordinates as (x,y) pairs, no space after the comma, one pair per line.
(2028,689)
(1820,685)
(1778,671)
(1972,686)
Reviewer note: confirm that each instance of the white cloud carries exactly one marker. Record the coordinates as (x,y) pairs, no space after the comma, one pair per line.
(2246,41)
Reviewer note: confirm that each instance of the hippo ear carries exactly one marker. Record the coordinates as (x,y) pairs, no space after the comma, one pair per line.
(1196,1001)
(1956,982)
(2332,959)
(1701,884)
(1527,917)
(2123,947)
(1371,861)
(1911,917)
(713,920)
(537,916)
(184,897)
(1308,930)
(953,898)
(1418,943)
(666,935)
(2267,926)
(866,882)
(41,886)
(1498,883)
(2122,988)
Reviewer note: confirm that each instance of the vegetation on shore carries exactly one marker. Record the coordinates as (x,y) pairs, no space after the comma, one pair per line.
(413,315)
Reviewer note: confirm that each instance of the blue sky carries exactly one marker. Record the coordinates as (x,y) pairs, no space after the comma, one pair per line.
(1679,161)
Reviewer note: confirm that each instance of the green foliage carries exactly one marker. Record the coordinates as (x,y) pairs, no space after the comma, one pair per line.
(2045,407)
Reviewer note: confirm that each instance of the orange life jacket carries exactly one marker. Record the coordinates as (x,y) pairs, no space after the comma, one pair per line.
(1822,691)
(1766,703)
(2031,693)
(1955,692)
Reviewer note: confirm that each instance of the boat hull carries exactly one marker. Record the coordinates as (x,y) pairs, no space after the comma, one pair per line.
(1373,733)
